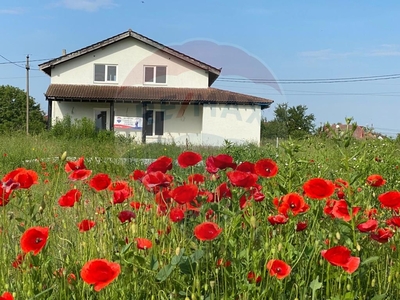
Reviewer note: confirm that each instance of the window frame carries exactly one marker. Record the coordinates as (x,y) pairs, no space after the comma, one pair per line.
(154,126)
(154,81)
(106,73)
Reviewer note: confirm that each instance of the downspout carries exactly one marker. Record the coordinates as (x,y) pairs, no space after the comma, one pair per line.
(49,113)
(112,115)
(144,111)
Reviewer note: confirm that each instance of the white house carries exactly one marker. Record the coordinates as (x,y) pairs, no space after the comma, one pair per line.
(140,88)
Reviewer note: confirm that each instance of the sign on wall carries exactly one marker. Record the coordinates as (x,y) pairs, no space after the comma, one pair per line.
(131,123)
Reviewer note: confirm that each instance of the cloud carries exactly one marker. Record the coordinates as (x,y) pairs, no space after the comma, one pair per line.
(12,11)
(385,50)
(325,54)
(88,5)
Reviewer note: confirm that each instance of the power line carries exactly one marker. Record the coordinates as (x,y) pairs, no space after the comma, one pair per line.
(22,61)
(11,62)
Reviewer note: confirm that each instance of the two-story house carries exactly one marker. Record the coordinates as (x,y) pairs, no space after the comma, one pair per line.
(140,88)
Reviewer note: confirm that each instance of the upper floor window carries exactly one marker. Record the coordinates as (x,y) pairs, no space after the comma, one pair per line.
(155,74)
(105,73)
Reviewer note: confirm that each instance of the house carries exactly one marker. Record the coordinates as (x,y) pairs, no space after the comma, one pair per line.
(140,88)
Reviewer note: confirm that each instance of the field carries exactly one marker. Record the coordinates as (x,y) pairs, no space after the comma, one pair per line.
(91,219)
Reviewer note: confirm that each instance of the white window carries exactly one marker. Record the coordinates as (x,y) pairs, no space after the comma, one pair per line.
(105,73)
(154,122)
(155,74)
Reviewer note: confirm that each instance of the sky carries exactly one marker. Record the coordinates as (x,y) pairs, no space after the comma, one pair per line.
(338,58)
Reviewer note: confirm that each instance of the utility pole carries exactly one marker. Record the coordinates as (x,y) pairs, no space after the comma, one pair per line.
(27,94)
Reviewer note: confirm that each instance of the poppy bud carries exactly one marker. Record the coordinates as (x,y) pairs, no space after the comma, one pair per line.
(253,221)
(373,282)
(338,235)
(64,156)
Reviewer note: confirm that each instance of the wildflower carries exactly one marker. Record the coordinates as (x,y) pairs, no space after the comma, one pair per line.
(100,273)
(382,235)
(154,179)
(300,226)
(266,168)
(375,180)
(341,256)
(222,191)
(185,193)
(137,175)
(393,221)
(278,219)
(69,198)
(4,195)
(319,188)
(34,239)
(242,179)
(188,159)
(100,182)
(25,178)
(6,296)
(390,200)
(75,165)
(196,178)
(126,216)
(162,164)
(219,162)
(278,268)
(121,191)
(143,243)
(246,167)
(176,214)
(293,202)
(368,226)
(81,174)
(86,225)
(253,278)
(207,231)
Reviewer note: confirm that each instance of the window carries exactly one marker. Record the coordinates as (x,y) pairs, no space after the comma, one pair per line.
(155,74)
(105,73)
(154,123)
(100,119)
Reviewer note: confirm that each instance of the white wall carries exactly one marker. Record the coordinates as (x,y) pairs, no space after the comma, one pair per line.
(130,56)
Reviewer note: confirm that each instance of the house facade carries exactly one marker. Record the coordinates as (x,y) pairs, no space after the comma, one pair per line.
(140,88)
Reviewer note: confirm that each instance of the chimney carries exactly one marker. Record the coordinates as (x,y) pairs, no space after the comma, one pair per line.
(63,52)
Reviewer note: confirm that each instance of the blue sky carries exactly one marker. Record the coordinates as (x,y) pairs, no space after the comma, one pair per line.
(291,39)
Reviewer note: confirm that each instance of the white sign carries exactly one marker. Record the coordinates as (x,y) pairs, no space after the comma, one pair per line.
(131,123)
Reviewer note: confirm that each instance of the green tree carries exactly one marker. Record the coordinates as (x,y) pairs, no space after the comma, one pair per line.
(13,111)
(291,122)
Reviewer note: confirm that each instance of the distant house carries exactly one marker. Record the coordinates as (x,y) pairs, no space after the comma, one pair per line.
(140,88)
(359,133)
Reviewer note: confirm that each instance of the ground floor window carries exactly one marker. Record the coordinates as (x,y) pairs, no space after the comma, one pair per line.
(154,122)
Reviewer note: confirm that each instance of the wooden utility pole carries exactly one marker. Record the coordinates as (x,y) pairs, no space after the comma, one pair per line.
(27,94)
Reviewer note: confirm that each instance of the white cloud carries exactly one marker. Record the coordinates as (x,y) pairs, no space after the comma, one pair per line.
(325,54)
(385,50)
(88,5)
(12,11)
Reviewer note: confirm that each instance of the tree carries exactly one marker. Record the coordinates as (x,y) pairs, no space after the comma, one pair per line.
(291,122)
(13,111)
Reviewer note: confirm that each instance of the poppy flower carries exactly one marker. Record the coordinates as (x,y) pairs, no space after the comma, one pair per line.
(25,178)
(6,296)
(126,216)
(18,261)
(253,278)
(375,180)
(393,221)
(319,188)
(258,196)
(34,239)
(4,195)
(100,182)
(188,159)
(242,179)
(246,166)
(162,164)
(223,263)
(137,175)
(341,184)
(69,198)
(300,226)
(222,191)
(341,211)
(80,175)
(219,162)
(390,200)
(176,214)
(293,202)
(100,273)
(143,243)
(121,191)
(196,178)
(184,193)
(278,268)
(75,165)
(278,219)
(341,256)
(368,226)
(158,178)
(86,225)
(207,231)
(382,235)
(266,168)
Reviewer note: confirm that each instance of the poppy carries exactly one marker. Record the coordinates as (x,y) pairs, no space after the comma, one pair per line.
(176,214)
(6,296)
(126,216)
(69,198)
(75,165)
(136,205)
(162,164)
(375,180)
(390,199)
(222,191)
(393,221)
(184,193)
(100,182)
(188,159)
(223,263)
(158,178)
(100,273)
(293,202)
(382,235)
(86,225)
(266,168)
(300,226)
(219,162)
(319,188)
(4,195)
(341,184)
(80,175)
(253,278)
(258,196)
(368,226)
(207,231)
(242,179)
(246,166)
(34,239)
(196,178)
(341,256)
(121,191)
(143,243)
(278,268)
(341,211)
(18,261)
(137,175)
(278,219)
(25,178)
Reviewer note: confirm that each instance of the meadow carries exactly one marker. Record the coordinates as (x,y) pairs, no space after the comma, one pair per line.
(89,218)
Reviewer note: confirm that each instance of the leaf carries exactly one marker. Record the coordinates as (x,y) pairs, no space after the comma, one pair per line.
(187,267)
(197,255)
(125,248)
(165,272)
(315,284)
(369,260)
(379,297)
(154,263)
(177,258)
(140,260)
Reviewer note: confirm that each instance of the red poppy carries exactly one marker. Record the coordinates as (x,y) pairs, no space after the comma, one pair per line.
(100,182)
(393,221)
(258,196)
(222,191)
(375,180)
(219,162)
(18,261)
(184,193)
(278,219)
(86,225)
(196,178)
(136,205)
(300,226)
(126,216)
(319,188)
(246,166)
(143,243)
(176,214)
(223,263)
(341,256)
(69,198)
(100,273)
(293,202)
(382,235)
(341,211)
(121,191)
(341,184)
(158,178)
(80,175)
(4,195)
(266,168)
(162,164)
(278,268)
(390,200)
(207,231)
(6,296)
(34,239)
(370,213)
(188,159)
(75,165)
(25,178)
(253,278)
(242,179)
(368,226)
(137,175)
